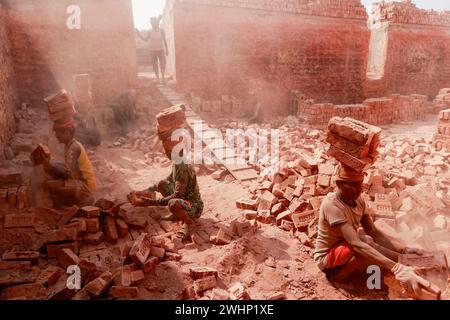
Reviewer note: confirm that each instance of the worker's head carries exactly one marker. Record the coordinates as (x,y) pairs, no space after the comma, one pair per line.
(349,182)
(64,131)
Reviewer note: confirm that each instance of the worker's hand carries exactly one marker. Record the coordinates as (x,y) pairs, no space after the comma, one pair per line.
(411,250)
(410,279)
(134,200)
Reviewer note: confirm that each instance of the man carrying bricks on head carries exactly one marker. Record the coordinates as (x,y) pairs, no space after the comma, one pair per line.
(180,193)
(158,47)
(75,179)
(342,251)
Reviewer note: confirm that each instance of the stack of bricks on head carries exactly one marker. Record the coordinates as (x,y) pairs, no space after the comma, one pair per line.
(61,106)
(167,122)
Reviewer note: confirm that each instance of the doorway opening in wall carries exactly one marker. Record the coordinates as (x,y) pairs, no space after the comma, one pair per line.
(149,41)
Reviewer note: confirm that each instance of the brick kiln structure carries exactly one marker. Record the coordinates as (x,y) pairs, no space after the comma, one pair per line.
(409,50)
(315,46)
(46,53)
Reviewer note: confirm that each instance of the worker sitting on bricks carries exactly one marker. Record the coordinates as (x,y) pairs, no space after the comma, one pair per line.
(75,180)
(342,251)
(180,193)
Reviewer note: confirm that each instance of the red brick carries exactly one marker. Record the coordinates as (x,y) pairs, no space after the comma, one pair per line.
(109,225)
(359,165)
(357,151)
(122,228)
(53,250)
(32,256)
(137,277)
(141,249)
(223,236)
(94,238)
(238,292)
(150,264)
(19,220)
(49,276)
(301,220)
(247,204)
(157,252)
(264,216)
(287,225)
(15,265)
(277,209)
(285,215)
(93,225)
(250,214)
(298,206)
(96,287)
(353,130)
(90,212)
(202,272)
(67,258)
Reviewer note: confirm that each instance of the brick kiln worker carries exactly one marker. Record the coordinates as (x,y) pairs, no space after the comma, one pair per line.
(342,251)
(158,47)
(180,193)
(75,178)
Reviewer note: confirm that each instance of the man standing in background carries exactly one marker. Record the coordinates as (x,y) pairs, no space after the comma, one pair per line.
(158,47)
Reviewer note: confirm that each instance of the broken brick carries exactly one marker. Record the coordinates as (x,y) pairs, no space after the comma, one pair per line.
(247,204)
(96,287)
(250,214)
(301,220)
(223,237)
(264,216)
(287,225)
(53,250)
(238,292)
(33,291)
(205,283)
(285,215)
(172,256)
(67,258)
(277,209)
(141,249)
(202,272)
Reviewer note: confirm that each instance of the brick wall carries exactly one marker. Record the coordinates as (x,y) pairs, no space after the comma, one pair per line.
(46,53)
(418,50)
(377,111)
(225,47)
(8,98)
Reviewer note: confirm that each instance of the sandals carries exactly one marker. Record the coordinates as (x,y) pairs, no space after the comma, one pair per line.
(183,233)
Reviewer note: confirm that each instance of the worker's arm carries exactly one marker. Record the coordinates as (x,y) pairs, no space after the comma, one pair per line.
(379,237)
(365,250)
(56,170)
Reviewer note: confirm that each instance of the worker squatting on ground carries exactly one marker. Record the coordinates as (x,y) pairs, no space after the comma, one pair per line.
(341,250)
(75,179)
(124,108)
(180,193)
(158,47)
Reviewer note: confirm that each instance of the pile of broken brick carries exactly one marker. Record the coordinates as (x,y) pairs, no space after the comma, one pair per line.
(442,136)
(405,189)
(40,272)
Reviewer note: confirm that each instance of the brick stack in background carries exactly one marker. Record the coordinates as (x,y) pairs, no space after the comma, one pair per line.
(442,136)
(353,143)
(442,100)
(377,111)
(407,12)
